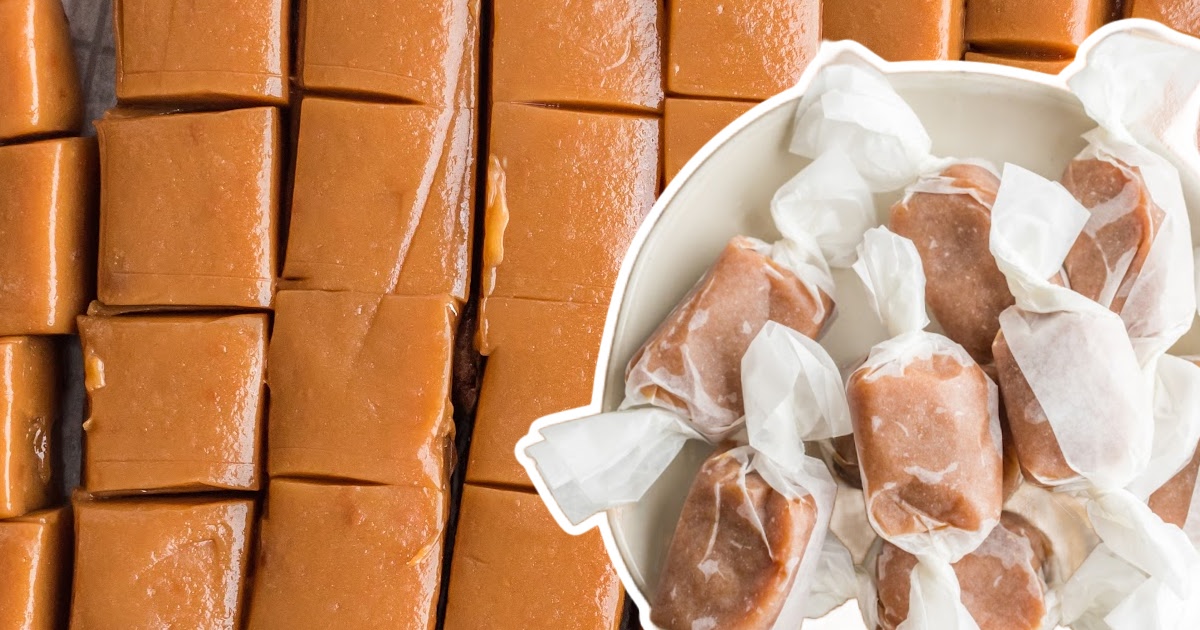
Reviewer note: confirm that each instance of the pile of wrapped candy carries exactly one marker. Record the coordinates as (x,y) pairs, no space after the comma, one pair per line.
(1032,463)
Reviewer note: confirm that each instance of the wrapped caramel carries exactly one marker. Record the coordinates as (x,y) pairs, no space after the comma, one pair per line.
(927,428)
(691,364)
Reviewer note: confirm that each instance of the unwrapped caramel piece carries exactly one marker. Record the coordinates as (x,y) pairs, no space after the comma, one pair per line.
(423,51)
(747,50)
(41,93)
(1003,581)
(188,208)
(28,404)
(736,551)
(514,568)
(223,52)
(1107,257)
(175,402)
(341,556)
(928,457)
(601,53)
(47,234)
(541,360)
(844,458)
(948,217)
(35,570)
(554,176)
(161,563)
(1056,26)
(408,171)
(360,387)
(1181,15)
(693,363)
(690,123)
(1042,460)
(899,30)
(1173,501)
(1048,65)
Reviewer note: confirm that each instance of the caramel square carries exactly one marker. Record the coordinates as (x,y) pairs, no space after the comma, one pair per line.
(41,93)
(1181,15)
(423,51)
(47,234)
(747,50)
(215,51)
(900,30)
(189,208)
(344,556)
(28,405)
(601,53)
(161,563)
(175,402)
(541,360)
(688,124)
(514,568)
(1048,26)
(566,192)
(35,570)
(408,173)
(1037,64)
(360,387)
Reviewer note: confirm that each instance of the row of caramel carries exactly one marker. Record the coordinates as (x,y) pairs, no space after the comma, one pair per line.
(47,232)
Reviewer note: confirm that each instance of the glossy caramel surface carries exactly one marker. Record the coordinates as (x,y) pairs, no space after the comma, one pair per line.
(571,188)
(899,30)
(1034,25)
(422,51)
(161,563)
(29,398)
(339,556)
(541,359)
(1181,15)
(690,123)
(1037,64)
(189,208)
(408,172)
(601,53)
(35,570)
(47,234)
(360,387)
(41,93)
(214,52)
(175,402)
(750,50)
(514,568)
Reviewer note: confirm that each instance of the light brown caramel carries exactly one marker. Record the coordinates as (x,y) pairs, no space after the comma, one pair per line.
(746,50)
(408,173)
(514,568)
(689,123)
(344,556)
(41,93)
(600,53)
(735,552)
(1181,15)
(964,288)
(1048,65)
(360,387)
(1057,26)
(35,570)
(899,30)
(161,563)
(189,208)
(215,52)
(47,234)
(175,403)
(28,405)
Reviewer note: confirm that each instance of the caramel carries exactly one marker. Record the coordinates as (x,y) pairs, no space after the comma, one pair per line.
(175,402)
(514,568)
(41,94)
(1057,26)
(899,30)
(35,570)
(28,404)
(690,123)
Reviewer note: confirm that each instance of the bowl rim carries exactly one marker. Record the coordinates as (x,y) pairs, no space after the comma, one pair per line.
(828,53)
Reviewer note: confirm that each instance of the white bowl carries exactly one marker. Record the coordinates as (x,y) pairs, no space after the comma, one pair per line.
(980,110)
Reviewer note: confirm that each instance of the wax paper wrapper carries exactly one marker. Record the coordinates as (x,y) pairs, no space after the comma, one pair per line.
(690,364)
(964,465)
(1073,353)
(1135,87)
